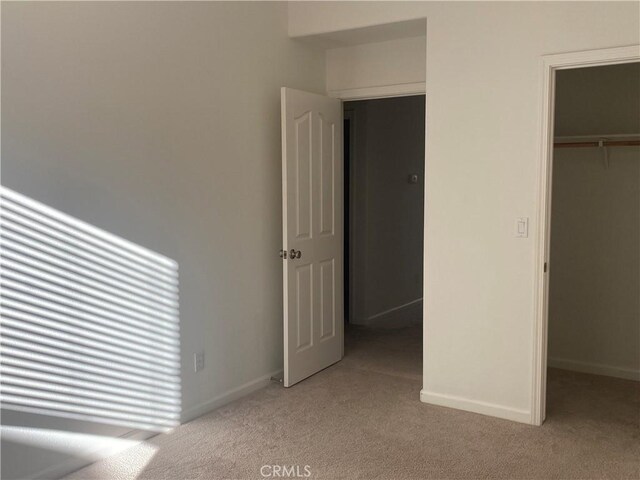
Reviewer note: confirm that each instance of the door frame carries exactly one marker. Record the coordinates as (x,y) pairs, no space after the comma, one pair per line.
(549,64)
(385,91)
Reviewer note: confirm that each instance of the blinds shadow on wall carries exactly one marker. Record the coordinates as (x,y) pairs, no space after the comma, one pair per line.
(89,324)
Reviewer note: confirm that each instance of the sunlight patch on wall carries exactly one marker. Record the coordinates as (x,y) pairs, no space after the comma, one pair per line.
(89,321)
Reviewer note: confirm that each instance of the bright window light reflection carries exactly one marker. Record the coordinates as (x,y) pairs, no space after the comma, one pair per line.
(89,321)
(89,447)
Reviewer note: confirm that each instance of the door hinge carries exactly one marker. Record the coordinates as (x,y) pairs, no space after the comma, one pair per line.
(545,267)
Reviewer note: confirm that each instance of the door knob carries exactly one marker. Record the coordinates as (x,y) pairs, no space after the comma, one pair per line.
(293,254)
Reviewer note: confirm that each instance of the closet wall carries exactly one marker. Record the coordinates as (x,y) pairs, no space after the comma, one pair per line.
(594,302)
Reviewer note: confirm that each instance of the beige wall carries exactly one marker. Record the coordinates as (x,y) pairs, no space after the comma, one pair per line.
(594,296)
(482,167)
(160,122)
(387,228)
(594,299)
(394,62)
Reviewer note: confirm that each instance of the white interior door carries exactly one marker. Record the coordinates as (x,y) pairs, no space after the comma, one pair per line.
(312,212)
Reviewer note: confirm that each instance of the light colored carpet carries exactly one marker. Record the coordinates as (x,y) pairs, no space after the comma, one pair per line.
(362,419)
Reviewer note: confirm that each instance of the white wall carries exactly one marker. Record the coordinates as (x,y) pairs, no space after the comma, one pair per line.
(483,106)
(388,146)
(394,62)
(160,123)
(594,294)
(594,304)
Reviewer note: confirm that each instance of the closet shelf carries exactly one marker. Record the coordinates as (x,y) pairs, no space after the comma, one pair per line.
(593,141)
(604,143)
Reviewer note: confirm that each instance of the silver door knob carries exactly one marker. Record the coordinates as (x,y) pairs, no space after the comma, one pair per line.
(293,254)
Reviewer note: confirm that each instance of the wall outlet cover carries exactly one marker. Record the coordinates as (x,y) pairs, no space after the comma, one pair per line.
(198,361)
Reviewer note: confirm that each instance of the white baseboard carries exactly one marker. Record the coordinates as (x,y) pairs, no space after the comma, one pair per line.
(228,397)
(73,463)
(484,408)
(400,316)
(62,469)
(594,368)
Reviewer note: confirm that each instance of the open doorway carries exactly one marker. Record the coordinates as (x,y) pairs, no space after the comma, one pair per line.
(384,148)
(594,252)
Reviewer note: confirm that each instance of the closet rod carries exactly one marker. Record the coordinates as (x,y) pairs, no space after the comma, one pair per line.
(605,143)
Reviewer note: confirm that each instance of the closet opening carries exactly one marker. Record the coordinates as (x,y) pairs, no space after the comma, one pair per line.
(384,150)
(593,352)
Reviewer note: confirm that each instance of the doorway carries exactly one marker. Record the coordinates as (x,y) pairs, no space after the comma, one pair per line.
(594,305)
(385,211)
(384,142)
(550,66)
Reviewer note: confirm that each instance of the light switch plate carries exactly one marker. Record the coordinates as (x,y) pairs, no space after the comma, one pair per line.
(522,227)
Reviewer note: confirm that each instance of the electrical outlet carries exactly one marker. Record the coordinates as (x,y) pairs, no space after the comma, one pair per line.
(198,361)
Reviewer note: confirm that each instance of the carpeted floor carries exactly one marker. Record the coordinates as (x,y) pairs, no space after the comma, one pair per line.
(362,419)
